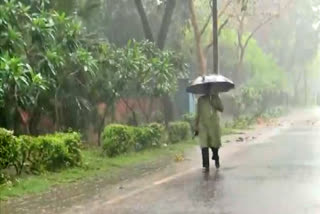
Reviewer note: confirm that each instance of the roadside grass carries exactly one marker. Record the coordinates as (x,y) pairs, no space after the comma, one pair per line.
(94,164)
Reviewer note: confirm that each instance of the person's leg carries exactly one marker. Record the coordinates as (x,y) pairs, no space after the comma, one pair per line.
(205,158)
(215,155)
(217,159)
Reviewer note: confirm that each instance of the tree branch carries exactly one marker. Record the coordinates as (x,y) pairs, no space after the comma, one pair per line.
(222,26)
(210,16)
(206,24)
(197,35)
(224,9)
(255,30)
(219,32)
(144,20)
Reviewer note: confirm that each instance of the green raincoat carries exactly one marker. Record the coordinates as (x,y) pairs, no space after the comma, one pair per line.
(208,121)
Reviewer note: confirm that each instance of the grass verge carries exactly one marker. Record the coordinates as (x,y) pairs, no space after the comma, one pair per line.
(94,165)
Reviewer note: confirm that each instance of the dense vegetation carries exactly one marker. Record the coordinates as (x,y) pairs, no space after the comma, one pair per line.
(50,68)
(65,65)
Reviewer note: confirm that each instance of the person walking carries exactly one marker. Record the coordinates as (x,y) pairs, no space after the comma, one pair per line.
(207,128)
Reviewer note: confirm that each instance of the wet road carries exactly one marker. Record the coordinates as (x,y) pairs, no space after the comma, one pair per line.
(281,175)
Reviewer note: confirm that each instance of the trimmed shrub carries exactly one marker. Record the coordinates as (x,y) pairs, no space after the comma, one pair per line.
(36,154)
(117,139)
(8,151)
(142,137)
(150,136)
(179,131)
(56,151)
(159,132)
(23,153)
(120,139)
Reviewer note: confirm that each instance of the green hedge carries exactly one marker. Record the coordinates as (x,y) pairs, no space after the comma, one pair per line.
(117,139)
(179,131)
(56,151)
(159,132)
(8,151)
(120,139)
(35,154)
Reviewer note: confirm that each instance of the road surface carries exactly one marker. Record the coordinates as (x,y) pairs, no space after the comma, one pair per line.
(276,174)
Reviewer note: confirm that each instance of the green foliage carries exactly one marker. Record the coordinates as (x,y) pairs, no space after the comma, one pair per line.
(158,133)
(120,139)
(56,151)
(146,137)
(8,151)
(265,72)
(158,128)
(35,154)
(242,122)
(179,131)
(49,63)
(117,139)
(248,99)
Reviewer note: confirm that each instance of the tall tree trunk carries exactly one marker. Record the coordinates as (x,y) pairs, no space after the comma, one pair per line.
(239,67)
(101,126)
(162,36)
(144,20)
(197,34)
(164,29)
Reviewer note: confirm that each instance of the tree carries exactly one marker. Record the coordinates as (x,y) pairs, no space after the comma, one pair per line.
(293,40)
(242,13)
(40,46)
(202,52)
(20,84)
(137,70)
(162,36)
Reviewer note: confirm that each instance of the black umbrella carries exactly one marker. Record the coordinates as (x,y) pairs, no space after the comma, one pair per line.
(210,84)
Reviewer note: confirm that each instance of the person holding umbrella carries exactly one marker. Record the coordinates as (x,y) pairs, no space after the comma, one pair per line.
(208,127)
(207,124)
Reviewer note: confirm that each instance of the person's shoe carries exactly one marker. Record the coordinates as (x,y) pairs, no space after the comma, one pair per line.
(217,164)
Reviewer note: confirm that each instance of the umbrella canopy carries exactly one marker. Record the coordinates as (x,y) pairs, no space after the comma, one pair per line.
(214,83)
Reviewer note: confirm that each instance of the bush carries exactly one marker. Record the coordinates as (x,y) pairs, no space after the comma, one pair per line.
(23,153)
(8,151)
(143,138)
(150,136)
(117,139)
(242,122)
(35,154)
(120,139)
(8,148)
(159,132)
(179,131)
(58,151)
